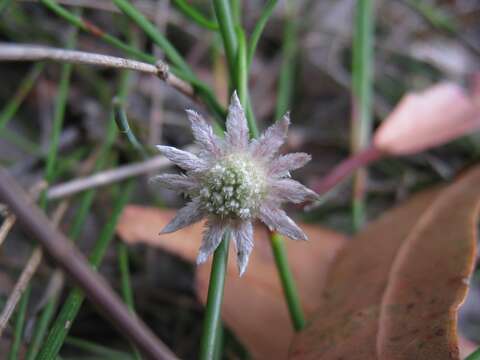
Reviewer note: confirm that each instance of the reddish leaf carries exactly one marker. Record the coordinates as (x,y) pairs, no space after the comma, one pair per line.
(430,118)
(394,291)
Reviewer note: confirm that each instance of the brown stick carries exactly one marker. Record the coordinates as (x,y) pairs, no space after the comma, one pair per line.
(26,52)
(76,266)
(28,271)
(346,168)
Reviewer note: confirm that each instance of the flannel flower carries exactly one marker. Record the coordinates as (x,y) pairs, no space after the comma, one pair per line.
(233,181)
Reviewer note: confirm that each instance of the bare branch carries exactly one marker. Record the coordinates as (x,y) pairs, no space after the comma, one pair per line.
(74,263)
(27,273)
(6,227)
(109,177)
(10,219)
(25,52)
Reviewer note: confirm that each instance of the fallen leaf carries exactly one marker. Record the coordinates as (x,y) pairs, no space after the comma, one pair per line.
(347,317)
(394,291)
(429,278)
(254,307)
(430,118)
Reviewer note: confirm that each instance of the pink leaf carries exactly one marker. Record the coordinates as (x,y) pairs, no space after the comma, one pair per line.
(430,118)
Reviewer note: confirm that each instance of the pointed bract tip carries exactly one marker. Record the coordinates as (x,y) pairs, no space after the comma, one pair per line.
(242,268)
(303,237)
(161,148)
(234,98)
(192,114)
(286,118)
(164,231)
(235,103)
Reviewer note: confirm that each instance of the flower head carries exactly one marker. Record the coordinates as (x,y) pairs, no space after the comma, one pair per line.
(233,181)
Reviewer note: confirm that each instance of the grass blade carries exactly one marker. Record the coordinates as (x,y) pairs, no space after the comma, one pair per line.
(258,29)
(75,299)
(190,12)
(227,31)
(361,100)
(284,98)
(60,106)
(21,93)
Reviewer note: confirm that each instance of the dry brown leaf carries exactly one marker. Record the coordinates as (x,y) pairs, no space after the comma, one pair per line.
(429,278)
(430,118)
(393,292)
(254,307)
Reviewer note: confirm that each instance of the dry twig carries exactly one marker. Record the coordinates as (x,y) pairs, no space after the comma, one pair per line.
(74,263)
(10,219)
(108,177)
(27,273)
(6,227)
(22,52)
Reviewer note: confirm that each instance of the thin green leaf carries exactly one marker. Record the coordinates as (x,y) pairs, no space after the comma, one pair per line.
(190,12)
(258,29)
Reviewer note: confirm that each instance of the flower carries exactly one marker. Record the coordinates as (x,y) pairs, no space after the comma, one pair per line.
(233,181)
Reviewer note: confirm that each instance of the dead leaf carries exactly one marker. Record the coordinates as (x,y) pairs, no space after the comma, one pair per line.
(430,118)
(394,291)
(254,307)
(429,278)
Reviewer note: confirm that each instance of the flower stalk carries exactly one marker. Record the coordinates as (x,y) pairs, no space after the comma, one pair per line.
(361,122)
(212,321)
(288,282)
(285,86)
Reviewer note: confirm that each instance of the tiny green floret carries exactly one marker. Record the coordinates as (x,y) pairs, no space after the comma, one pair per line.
(234,187)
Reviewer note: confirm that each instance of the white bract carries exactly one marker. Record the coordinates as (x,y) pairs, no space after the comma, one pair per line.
(233,181)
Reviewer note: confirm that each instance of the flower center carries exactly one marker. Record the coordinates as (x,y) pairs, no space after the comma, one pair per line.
(233,187)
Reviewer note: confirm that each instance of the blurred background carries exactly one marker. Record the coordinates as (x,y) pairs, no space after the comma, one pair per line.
(416,44)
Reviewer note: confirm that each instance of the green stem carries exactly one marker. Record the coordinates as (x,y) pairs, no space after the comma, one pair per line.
(183,71)
(69,311)
(127,294)
(194,15)
(21,93)
(104,352)
(241,82)
(122,124)
(86,202)
(211,322)
(435,17)
(75,230)
(227,31)
(96,31)
(41,327)
(219,342)
(51,162)
(283,103)
(123,264)
(210,347)
(170,52)
(361,100)
(287,70)
(258,29)
(19,323)
(19,141)
(474,356)
(288,282)
(59,115)
(4,4)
